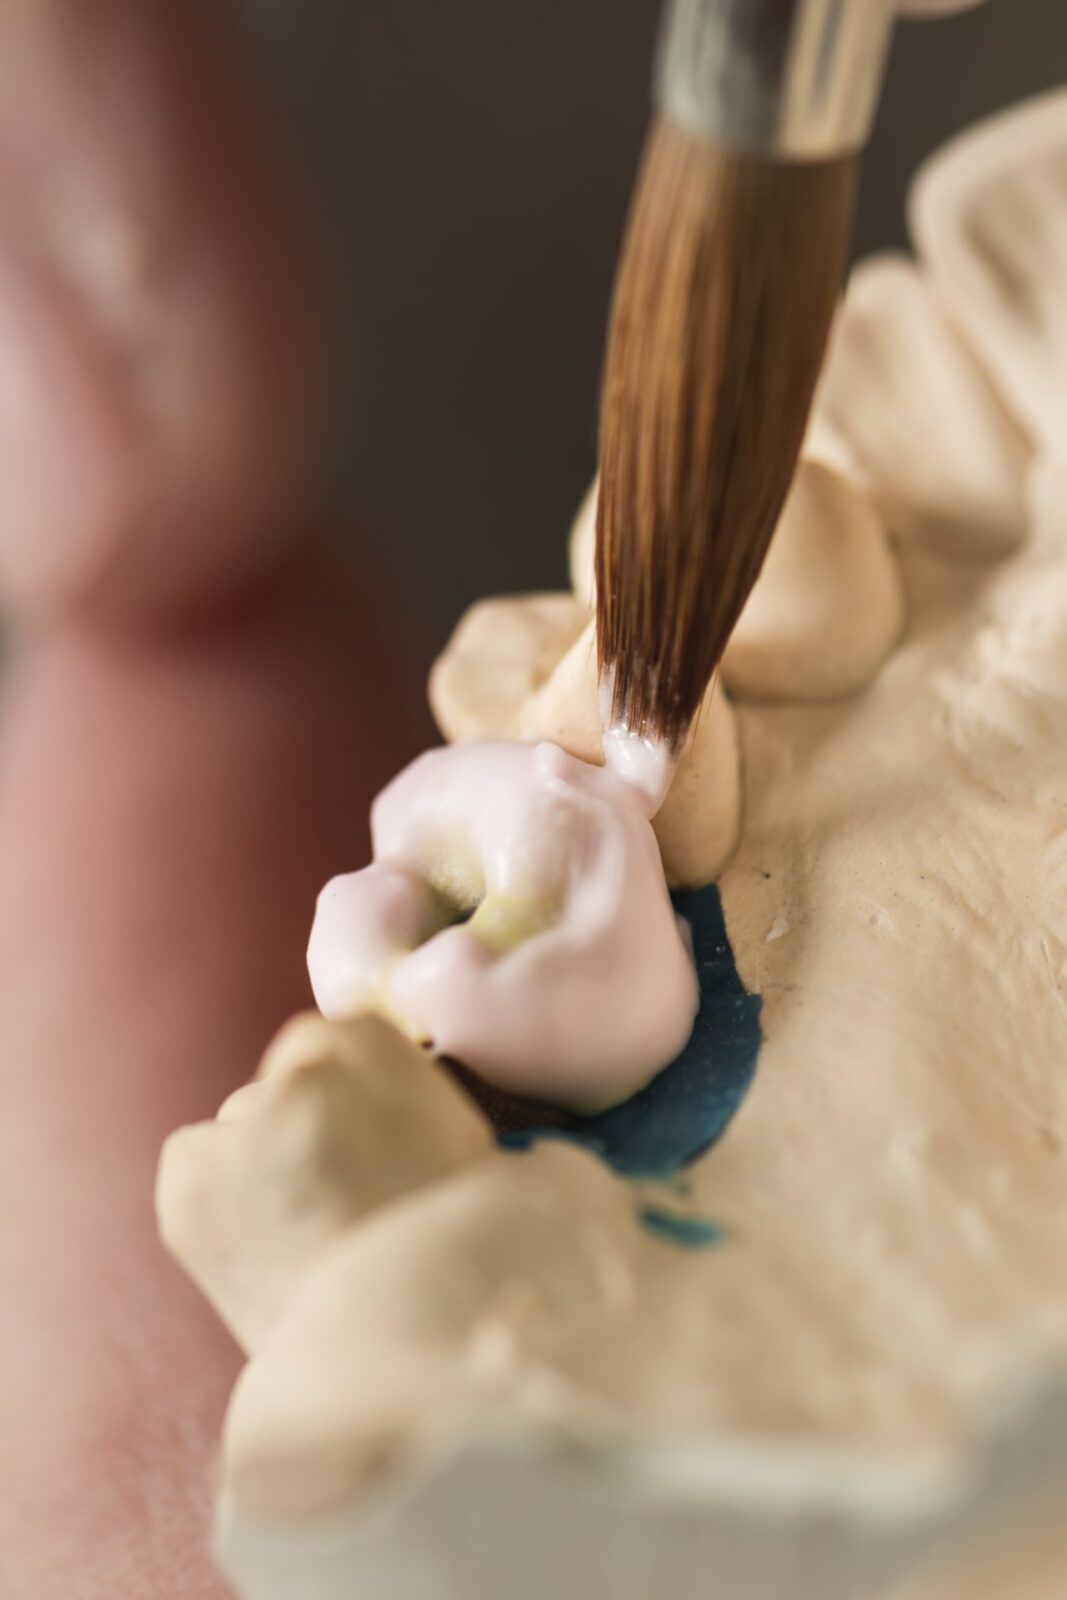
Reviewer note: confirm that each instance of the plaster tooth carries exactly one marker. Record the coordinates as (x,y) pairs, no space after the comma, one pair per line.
(343,1118)
(906,405)
(827,608)
(499,654)
(422,1318)
(988,217)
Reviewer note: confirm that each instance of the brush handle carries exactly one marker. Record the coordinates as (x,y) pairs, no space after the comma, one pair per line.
(792,79)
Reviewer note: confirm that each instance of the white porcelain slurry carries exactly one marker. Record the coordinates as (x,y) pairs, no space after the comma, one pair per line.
(645,765)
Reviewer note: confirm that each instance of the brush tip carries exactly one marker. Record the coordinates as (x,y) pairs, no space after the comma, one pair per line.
(726,289)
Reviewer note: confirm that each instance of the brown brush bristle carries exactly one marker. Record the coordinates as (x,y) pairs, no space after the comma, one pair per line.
(729,277)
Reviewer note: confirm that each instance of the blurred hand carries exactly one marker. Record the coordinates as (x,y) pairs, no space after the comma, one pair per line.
(198,707)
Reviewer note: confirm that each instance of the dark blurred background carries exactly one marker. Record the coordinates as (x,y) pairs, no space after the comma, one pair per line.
(475,162)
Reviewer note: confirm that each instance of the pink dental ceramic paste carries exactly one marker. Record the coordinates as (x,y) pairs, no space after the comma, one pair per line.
(516,918)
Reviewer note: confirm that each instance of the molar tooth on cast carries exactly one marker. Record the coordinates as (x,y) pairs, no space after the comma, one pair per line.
(828,606)
(501,651)
(917,419)
(987,214)
(424,1315)
(344,1117)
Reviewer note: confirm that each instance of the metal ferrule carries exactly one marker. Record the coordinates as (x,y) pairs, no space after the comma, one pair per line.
(793,79)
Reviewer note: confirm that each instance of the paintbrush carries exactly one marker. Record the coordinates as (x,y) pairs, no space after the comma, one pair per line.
(732,263)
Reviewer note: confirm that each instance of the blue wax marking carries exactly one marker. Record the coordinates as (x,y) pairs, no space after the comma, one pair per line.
(665,1126)
(695,1233)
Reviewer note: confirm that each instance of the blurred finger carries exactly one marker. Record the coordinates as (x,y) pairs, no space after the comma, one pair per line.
(169,806)
(158,399)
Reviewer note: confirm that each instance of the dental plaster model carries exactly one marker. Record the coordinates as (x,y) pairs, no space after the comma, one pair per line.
(893,1192)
